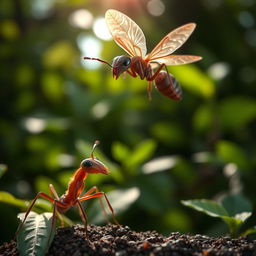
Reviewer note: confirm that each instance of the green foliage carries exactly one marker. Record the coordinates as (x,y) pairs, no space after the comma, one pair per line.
(54,106)
(231,153)
(7,198)
(132,159)
(199,83)
(234,210)
(237,112)
(35,235)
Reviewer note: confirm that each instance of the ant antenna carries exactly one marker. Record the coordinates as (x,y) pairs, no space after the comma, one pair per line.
(96,143)
(103,61)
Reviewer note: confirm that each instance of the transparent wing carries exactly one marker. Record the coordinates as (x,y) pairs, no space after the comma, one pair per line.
(172,41)
(126,33)
(178,59)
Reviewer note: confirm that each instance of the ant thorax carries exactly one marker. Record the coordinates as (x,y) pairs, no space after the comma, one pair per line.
(141,67)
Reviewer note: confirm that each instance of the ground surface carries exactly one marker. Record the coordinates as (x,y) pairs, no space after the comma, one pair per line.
(122,241)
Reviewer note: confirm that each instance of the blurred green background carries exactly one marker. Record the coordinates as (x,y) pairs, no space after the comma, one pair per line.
(54,105)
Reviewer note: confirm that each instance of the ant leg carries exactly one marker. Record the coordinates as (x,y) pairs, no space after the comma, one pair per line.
(111,209)
(54,192)
(31,206)
(149,90)
(83,216)
(99,194)
(153,77)
(95,189)
(131,72)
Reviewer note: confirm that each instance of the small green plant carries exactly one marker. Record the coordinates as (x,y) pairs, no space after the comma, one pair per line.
(34,238)
(234,210)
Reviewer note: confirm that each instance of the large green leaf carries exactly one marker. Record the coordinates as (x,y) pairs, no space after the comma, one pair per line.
(141,153)
(235,204)
(40,204)
(120,151)
(193,79)
(214,209)
(207,206)
(8,198)
(34,236)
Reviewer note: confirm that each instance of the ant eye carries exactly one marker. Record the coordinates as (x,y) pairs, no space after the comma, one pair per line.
(127,62)
(87,163)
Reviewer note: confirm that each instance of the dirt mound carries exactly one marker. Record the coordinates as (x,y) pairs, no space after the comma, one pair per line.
(122,241)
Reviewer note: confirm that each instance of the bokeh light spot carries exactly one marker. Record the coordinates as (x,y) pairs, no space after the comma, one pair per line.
(81,18)
(159,164)
(101,30)
(246,19)
(156,7)
(219,70)
(66,160)
(100,109)
(42,9)
(90,47)
(34,125)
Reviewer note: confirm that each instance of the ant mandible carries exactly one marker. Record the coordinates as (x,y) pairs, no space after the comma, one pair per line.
(72,196)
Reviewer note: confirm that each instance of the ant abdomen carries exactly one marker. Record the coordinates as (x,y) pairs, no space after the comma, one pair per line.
(168,85)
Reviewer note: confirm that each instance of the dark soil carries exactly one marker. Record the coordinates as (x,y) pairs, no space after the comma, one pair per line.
(122,241)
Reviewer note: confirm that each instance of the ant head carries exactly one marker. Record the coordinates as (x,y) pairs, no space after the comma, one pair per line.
(93,165)
(120,64)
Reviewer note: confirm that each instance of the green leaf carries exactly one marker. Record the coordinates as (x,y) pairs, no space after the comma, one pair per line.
(249,231)
(60,54)
(141,153)
(229,152)
(52,86)
(204,118)
(34,236)
(236,204)
(193,79)
(169,133)
(209,207)
(214,209)
(237,112)
(234,222)
(120,151)
(8,198)
(243,216)
(40,204)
